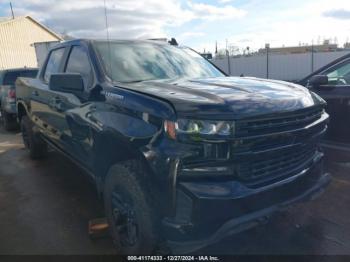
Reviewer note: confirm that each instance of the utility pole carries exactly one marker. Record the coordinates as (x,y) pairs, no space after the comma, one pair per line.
(267,46)
(13,16)
(228,59)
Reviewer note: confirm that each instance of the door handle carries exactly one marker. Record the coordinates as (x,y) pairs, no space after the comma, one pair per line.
(56,100)
(35,93)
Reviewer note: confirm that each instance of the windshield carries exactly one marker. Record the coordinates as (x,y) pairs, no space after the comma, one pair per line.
(133,62)
(11,76)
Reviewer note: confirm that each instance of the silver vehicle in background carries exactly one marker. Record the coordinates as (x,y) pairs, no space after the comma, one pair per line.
(8,94)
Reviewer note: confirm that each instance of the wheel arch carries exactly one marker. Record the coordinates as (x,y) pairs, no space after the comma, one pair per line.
(116,150)
(21,110)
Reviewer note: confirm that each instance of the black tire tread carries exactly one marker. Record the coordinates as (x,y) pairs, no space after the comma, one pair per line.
(130,174)
(37,147)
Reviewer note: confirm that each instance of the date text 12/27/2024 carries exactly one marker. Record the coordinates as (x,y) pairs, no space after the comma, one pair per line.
(173,258)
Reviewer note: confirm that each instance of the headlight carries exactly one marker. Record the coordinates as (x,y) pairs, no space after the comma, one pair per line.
(199,128)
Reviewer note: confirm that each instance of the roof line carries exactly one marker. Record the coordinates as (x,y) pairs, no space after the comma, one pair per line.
(43,26)
(36,22)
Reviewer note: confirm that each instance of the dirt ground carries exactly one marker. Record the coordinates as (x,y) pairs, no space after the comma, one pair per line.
(45,207)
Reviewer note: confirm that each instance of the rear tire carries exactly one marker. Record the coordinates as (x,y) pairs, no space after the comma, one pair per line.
(130,210)
(9,121)
(36,146)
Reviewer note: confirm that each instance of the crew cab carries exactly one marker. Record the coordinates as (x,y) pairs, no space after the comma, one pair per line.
(8,94)
(181,154)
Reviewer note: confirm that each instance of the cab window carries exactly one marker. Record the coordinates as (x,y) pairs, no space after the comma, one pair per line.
(53,64)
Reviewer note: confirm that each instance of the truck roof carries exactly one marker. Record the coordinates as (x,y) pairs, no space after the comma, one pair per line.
(88,41)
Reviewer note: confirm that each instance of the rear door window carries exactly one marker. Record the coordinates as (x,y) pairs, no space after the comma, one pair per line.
(53,64)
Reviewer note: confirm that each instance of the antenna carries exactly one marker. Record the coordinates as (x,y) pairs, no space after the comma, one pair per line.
(108,40)
(13,16)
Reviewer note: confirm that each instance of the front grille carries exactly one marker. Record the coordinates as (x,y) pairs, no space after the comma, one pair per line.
(272,148)
(282,122)
(264,150)
(276,165)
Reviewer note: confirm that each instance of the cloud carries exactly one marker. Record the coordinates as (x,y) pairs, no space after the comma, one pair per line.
(211,12)
(224,1)
(338,14)
(188,35)
(303,23)
(126,18)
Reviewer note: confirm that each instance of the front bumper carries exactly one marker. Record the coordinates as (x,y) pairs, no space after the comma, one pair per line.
(206,212)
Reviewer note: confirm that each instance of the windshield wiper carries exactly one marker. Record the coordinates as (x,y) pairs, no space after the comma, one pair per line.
(137,81)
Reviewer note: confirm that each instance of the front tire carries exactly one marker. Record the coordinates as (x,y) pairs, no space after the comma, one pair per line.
(130,210)
(36,146)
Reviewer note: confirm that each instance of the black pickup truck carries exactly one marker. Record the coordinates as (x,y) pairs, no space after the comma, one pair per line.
(181,154)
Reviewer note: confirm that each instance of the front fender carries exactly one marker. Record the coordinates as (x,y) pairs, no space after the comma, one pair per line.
(114,133)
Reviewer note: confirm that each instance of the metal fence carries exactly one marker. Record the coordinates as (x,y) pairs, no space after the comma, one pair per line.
(290,67)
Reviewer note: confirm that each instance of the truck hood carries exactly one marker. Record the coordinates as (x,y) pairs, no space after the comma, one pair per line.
(230,97)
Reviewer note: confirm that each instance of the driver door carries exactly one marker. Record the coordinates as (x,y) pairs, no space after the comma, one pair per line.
(337,95)
(75,132)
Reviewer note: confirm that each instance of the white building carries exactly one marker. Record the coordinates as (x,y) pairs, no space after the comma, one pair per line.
(17,38)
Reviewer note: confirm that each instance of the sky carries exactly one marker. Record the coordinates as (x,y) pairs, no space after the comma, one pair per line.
(195,23)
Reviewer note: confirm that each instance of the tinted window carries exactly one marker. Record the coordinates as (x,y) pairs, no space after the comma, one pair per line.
(54,63)
(130,62)
(78,62)
(339,75)
(10,77)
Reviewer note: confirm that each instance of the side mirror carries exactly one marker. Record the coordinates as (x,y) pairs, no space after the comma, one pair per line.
(318,80)
(66,83)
